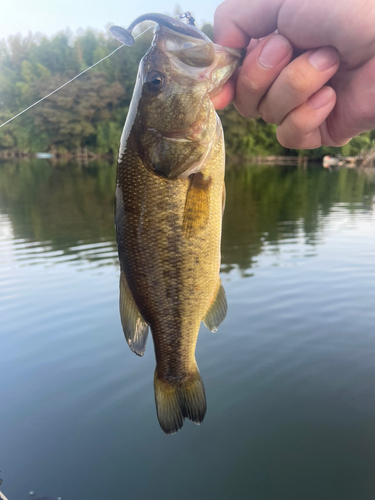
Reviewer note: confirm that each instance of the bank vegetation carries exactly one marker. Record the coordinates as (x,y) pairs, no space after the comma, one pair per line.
(90,112)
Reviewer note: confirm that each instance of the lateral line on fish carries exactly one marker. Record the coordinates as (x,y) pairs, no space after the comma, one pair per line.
(74,78)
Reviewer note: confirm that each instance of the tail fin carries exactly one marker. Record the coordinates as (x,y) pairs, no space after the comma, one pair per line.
(177,400)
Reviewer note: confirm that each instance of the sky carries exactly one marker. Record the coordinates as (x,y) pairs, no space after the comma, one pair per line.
(52,16)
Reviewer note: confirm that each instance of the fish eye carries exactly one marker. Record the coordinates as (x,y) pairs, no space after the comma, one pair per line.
(154,81)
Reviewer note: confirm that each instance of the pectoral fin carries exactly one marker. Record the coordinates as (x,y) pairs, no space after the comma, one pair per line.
(197,205)
(217,311)
(134,326)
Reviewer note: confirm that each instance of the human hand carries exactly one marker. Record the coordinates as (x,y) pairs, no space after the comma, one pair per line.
(336,41)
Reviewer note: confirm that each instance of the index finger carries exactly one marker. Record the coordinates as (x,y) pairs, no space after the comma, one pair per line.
(237,21)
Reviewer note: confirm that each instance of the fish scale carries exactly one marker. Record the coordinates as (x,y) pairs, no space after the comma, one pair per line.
(160,265)
(169,204)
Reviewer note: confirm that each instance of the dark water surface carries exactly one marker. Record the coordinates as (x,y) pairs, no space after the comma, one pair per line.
(289,376)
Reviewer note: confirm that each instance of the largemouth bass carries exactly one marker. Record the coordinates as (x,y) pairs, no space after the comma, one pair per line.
(169,204)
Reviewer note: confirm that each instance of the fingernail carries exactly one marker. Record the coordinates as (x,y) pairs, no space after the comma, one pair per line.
(324,58)
(321,98)
(275,50)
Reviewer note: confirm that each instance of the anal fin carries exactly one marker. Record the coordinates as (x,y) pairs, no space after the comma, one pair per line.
(218,309)
(134,326)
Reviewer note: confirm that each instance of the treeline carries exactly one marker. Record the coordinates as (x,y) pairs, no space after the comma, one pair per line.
(90,112)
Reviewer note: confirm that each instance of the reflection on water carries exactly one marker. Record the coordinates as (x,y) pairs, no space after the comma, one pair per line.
(289,376)
(68,211)
(270,206)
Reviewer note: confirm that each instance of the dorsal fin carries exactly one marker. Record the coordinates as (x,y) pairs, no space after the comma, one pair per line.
(218,309)
(134,326)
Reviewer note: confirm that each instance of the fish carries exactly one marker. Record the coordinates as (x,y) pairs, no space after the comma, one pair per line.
(169,202)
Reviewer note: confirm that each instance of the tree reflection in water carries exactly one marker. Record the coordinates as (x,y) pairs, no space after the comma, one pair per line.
(69,205)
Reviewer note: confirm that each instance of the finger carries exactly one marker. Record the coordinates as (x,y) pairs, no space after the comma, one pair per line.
(226,96)
(297,82)
(254,42)
(236,21)
(260,69)
(227,93)
(354,112)
(302,128)
(306,25)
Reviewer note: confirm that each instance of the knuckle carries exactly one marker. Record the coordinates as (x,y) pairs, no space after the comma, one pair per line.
(219,12)
(311,141)
(289,139)
(284,140)
(333,140)
(296,78)
(289,143)
(295,123)
(266,113)
(244,110)
(247,96)
(249,83)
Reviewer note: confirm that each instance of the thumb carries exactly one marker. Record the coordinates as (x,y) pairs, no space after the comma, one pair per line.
(354,112)
(236,21)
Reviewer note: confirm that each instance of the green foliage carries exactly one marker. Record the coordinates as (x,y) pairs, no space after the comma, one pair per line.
(208,30)
(91,111)
(357,145)
(59,205)
(248,137)
(261,198)
(108,134)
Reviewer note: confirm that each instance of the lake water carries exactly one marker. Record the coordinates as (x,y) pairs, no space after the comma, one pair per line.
(289,376)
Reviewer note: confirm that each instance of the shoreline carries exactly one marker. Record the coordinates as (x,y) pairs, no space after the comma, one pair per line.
(84,155)
(79,154)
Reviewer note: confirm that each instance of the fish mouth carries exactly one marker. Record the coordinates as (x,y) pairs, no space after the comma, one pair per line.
(172,136)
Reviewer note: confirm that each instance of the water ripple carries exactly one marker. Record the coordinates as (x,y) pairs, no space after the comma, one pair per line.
(290,368)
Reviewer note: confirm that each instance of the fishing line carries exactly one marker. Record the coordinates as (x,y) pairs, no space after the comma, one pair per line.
(62,86)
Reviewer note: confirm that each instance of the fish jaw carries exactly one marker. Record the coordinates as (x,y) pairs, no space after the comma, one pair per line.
(177,124)
(180,154)
(200,60)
